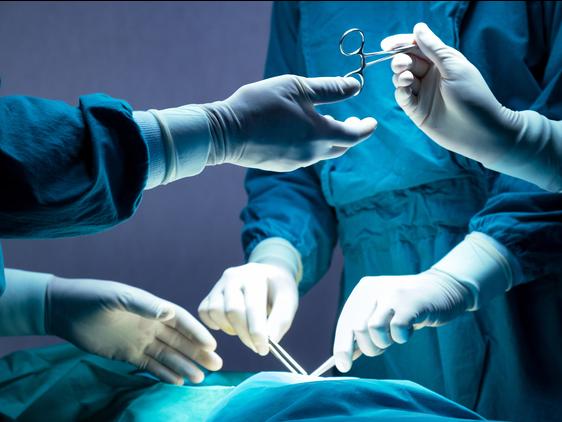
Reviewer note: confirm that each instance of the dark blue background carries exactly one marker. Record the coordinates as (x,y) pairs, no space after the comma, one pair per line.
(154,55)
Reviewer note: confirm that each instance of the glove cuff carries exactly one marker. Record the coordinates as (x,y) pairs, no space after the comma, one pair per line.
(480,266)
(22,307)
(278,251)
(186,137)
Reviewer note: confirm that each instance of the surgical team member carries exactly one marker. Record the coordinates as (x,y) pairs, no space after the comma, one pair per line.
(446,96)
(67,171)
(426,234)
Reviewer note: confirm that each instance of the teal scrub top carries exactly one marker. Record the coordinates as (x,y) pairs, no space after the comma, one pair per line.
(398,202)
(68,171)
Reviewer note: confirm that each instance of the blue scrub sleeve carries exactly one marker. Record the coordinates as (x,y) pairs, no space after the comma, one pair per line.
(289,205)
(67,171)
(522,217)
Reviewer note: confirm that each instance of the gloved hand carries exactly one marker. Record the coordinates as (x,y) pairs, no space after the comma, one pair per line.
(121,322)
(269,125)
(272,124)
(254,301)
(448,99)
(385,310)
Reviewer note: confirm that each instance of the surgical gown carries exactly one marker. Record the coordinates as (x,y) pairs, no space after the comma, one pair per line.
(398,202)
(67,171)
(62,383)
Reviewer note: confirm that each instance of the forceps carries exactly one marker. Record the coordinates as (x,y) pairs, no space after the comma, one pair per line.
(359,51)
(330,363)
(286,358)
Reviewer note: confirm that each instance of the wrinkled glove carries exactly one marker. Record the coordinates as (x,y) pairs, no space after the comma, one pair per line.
(385,310)
(270,125)
(258,300)
(254,302)
(448,99)
(121,322)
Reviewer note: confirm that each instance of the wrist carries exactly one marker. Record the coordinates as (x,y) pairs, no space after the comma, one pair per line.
(178,141)
(478,265)
(280,253)
(535,150)
(456,290)
(223,126)
(23,305)
(152,135)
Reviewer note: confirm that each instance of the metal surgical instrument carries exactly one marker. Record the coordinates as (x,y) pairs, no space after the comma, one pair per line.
(359,51)
(330,363)
(286,359)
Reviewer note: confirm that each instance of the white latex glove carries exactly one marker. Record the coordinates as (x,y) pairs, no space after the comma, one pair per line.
(254,301)
(385,310)
(121,322)
(272,124)
(448,99)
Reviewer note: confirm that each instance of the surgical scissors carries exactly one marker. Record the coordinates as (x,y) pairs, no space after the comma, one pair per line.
(285,358)
(359,51)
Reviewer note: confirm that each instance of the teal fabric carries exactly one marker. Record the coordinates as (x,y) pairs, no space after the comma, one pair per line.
(68,171)
(398,202)
(61,383)
(271,396)
(2,276)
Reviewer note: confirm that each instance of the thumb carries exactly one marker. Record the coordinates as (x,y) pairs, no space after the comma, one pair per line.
(432,47)
(147,305)
(331,89)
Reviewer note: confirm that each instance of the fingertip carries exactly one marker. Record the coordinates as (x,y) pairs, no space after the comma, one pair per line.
(420,28)
(370,122)
(343,364)
(195,378)
(352,84)
(352,120)
(210,345)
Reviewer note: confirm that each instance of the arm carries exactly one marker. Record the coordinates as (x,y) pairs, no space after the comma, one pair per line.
(289,231)
(68,170)
(109,319)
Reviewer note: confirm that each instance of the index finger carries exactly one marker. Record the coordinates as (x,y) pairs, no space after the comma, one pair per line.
(190,327)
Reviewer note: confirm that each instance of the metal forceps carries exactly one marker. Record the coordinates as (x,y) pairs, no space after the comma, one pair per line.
(359,51)
(286,358)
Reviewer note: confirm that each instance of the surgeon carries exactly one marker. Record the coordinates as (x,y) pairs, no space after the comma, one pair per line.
(448,99)
(67,171)
(430,238)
